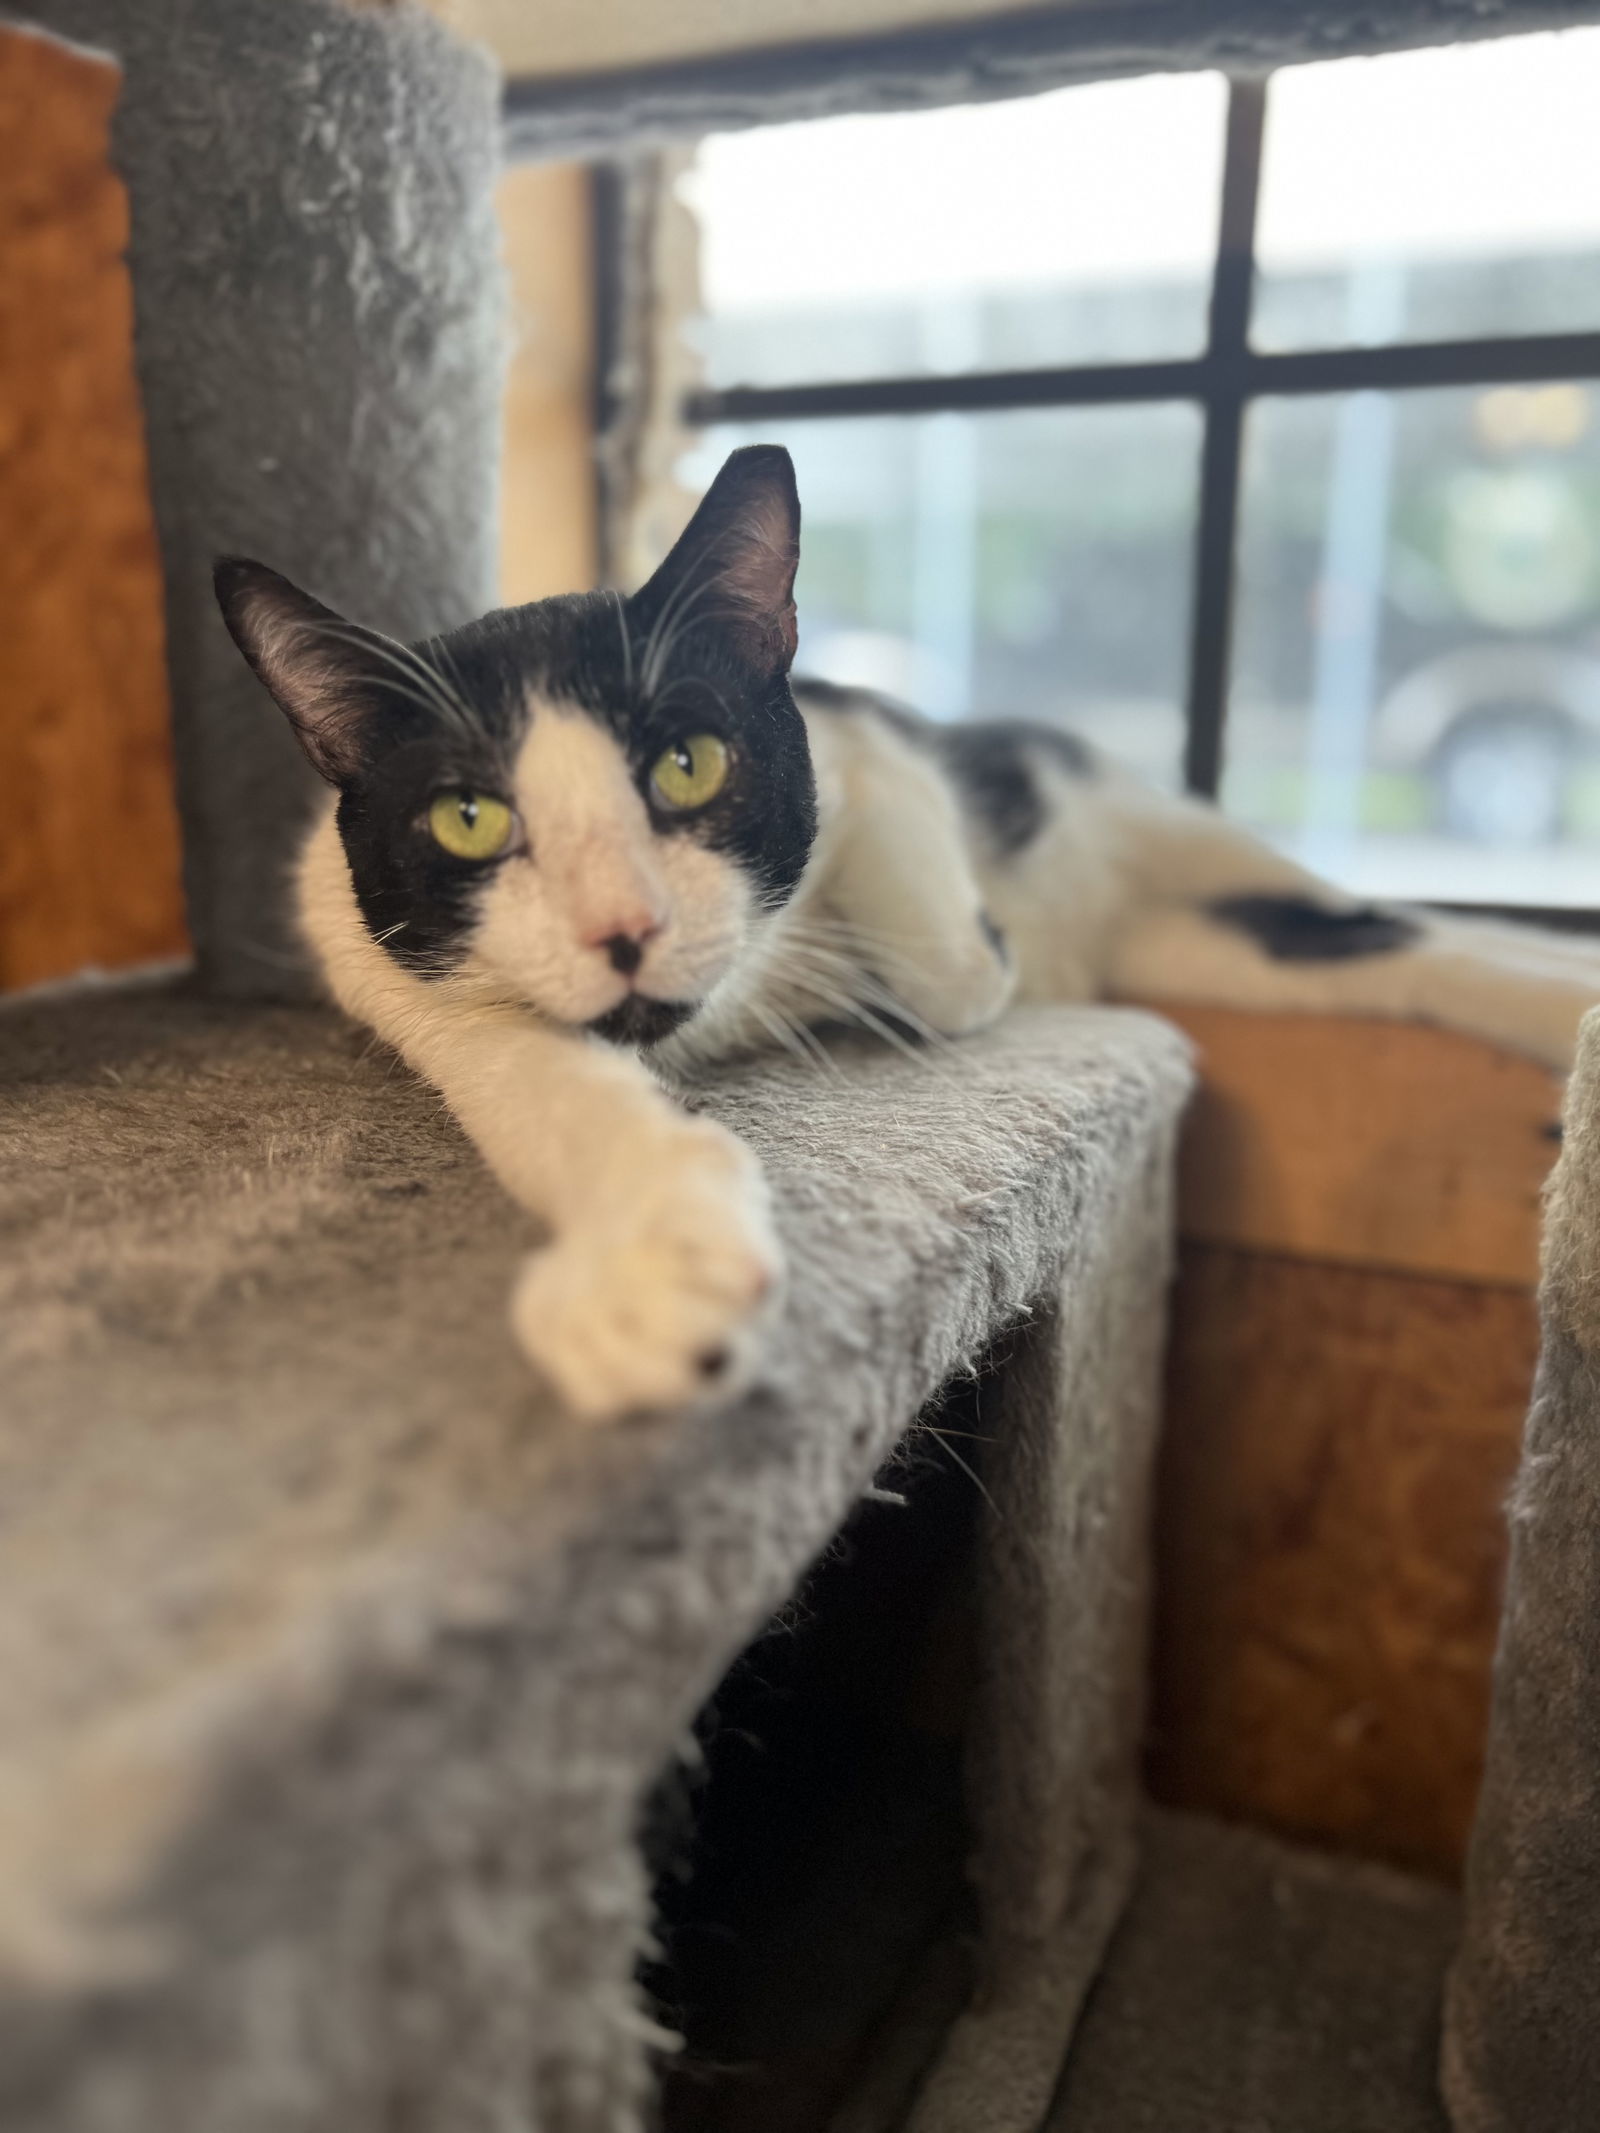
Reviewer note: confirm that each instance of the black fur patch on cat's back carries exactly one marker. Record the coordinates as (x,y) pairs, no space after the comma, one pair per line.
(993,763)
(995,767)
(1293,929)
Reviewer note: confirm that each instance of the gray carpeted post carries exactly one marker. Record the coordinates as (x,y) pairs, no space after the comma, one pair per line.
(1522,2030)
(318,315)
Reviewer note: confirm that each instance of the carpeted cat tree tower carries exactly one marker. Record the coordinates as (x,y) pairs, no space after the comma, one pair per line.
(343,1684)
(378,1753)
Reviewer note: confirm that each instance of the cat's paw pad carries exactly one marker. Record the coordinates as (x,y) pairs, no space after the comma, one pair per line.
(655,1305)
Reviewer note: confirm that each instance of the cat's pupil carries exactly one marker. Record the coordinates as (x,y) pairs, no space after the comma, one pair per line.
(469,810)
(683,756)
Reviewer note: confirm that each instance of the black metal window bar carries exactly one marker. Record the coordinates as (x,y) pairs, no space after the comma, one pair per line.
(1223,380)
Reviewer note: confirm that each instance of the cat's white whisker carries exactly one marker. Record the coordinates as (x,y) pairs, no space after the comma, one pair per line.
(677,612)
(789,1036)
(662,623)
(849,1007)
(838,978)
(816,1050)
(419,681)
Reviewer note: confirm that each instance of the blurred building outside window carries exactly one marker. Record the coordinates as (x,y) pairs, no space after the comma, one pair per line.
(983,332)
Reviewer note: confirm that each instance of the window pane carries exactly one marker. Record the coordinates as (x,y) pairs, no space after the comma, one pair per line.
(1029,565)
(1069,228)
(1416,697)
(1432,195)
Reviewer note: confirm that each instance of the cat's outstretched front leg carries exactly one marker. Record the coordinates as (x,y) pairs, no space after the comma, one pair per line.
(662,1249)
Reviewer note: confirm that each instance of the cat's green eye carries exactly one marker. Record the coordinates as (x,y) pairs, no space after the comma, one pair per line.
(470,825)
(690,772)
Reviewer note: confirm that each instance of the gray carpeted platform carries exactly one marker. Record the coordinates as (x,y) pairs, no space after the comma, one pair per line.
(334,1666)
(1255,1988)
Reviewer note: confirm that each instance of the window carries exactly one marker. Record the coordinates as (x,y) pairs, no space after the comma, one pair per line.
(1034,559)
(1253,430)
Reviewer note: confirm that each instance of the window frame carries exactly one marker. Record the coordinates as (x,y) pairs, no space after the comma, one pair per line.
(1222,381)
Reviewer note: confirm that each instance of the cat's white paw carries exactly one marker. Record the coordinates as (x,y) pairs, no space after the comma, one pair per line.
(652,1303)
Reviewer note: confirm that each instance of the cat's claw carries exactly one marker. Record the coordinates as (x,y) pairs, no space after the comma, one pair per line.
(658,1308)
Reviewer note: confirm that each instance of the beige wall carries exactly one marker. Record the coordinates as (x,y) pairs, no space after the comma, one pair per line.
(546,37)
(547,498)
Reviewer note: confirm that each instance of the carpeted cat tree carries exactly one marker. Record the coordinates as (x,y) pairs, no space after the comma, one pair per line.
(344,1688)
(320,334)
(375,1751)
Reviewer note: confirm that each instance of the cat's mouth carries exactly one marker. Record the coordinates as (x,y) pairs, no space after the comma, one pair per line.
(638,1021)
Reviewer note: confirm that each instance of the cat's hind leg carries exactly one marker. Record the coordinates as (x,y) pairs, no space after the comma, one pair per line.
(1214,915)
(1514,987)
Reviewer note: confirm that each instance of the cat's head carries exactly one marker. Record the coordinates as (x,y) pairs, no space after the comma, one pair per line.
(588,804)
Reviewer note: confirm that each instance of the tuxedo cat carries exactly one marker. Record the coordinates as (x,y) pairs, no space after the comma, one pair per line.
(581,847)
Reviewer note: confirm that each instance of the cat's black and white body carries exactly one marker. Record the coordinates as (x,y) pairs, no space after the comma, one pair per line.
(1105,888)
(584,847)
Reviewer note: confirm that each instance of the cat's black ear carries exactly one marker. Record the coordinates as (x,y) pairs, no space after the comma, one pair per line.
(317,666)
(734,563)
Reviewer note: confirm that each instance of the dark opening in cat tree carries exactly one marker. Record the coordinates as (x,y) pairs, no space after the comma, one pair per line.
(814,1857)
